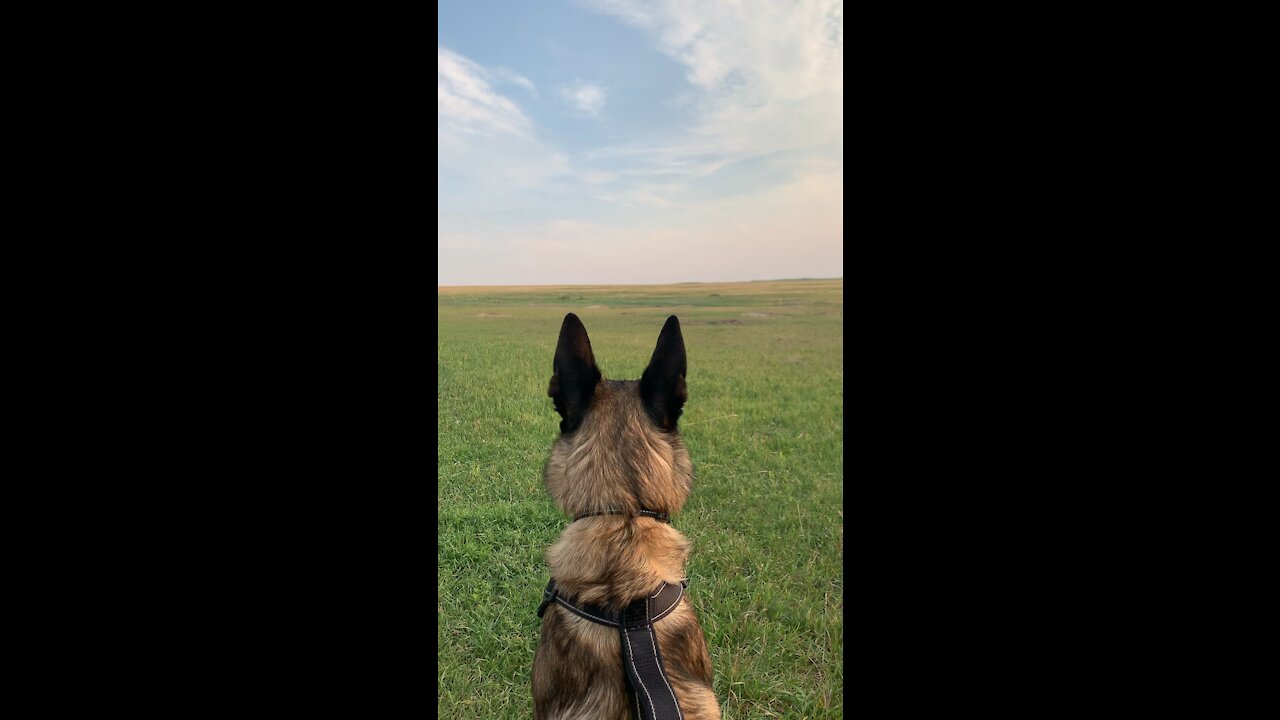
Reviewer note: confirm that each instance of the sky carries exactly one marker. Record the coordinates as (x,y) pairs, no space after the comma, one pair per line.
(639,141)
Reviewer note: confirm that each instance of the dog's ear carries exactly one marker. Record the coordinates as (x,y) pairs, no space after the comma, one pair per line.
(574,378)
(662,386)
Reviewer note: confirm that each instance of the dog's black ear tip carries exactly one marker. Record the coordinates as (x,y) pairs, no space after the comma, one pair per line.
(572,325)
(671,338)
(670,330)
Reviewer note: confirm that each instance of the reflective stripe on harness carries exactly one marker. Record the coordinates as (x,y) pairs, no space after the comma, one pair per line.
(646,675)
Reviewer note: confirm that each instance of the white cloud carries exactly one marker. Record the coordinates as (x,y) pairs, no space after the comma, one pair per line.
(596,177)
(588,98)
(765,78)
(466,103)
(484,140)
(515,78)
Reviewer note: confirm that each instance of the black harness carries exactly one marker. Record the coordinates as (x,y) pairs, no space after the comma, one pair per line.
(646,676)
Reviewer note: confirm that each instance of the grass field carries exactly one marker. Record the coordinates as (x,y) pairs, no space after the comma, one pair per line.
(764,426)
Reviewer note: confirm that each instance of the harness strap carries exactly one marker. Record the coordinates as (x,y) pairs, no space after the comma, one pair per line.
(646,675)
(650,688)
(663,603)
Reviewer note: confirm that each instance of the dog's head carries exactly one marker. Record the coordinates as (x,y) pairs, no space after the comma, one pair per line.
(619,448)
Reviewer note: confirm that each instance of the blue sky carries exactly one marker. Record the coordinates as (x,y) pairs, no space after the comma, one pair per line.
(620,141)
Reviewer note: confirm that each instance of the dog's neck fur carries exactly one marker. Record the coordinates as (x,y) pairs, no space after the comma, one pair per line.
(611,560)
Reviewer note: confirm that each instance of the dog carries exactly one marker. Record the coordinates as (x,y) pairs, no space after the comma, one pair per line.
(620,468)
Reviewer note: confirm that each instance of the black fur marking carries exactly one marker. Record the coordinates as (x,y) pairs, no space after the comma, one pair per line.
(684,652)
(574,374)
(662,387)
(632,455)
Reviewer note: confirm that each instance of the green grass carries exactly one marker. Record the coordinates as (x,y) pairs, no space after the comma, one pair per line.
(764,426)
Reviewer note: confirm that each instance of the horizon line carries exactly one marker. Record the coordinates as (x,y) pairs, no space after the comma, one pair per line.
(684,282)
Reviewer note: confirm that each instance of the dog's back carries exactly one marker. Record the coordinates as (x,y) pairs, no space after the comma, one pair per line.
(618,452)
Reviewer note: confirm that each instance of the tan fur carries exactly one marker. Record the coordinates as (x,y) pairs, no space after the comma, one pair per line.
(616,453)
(617,459)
